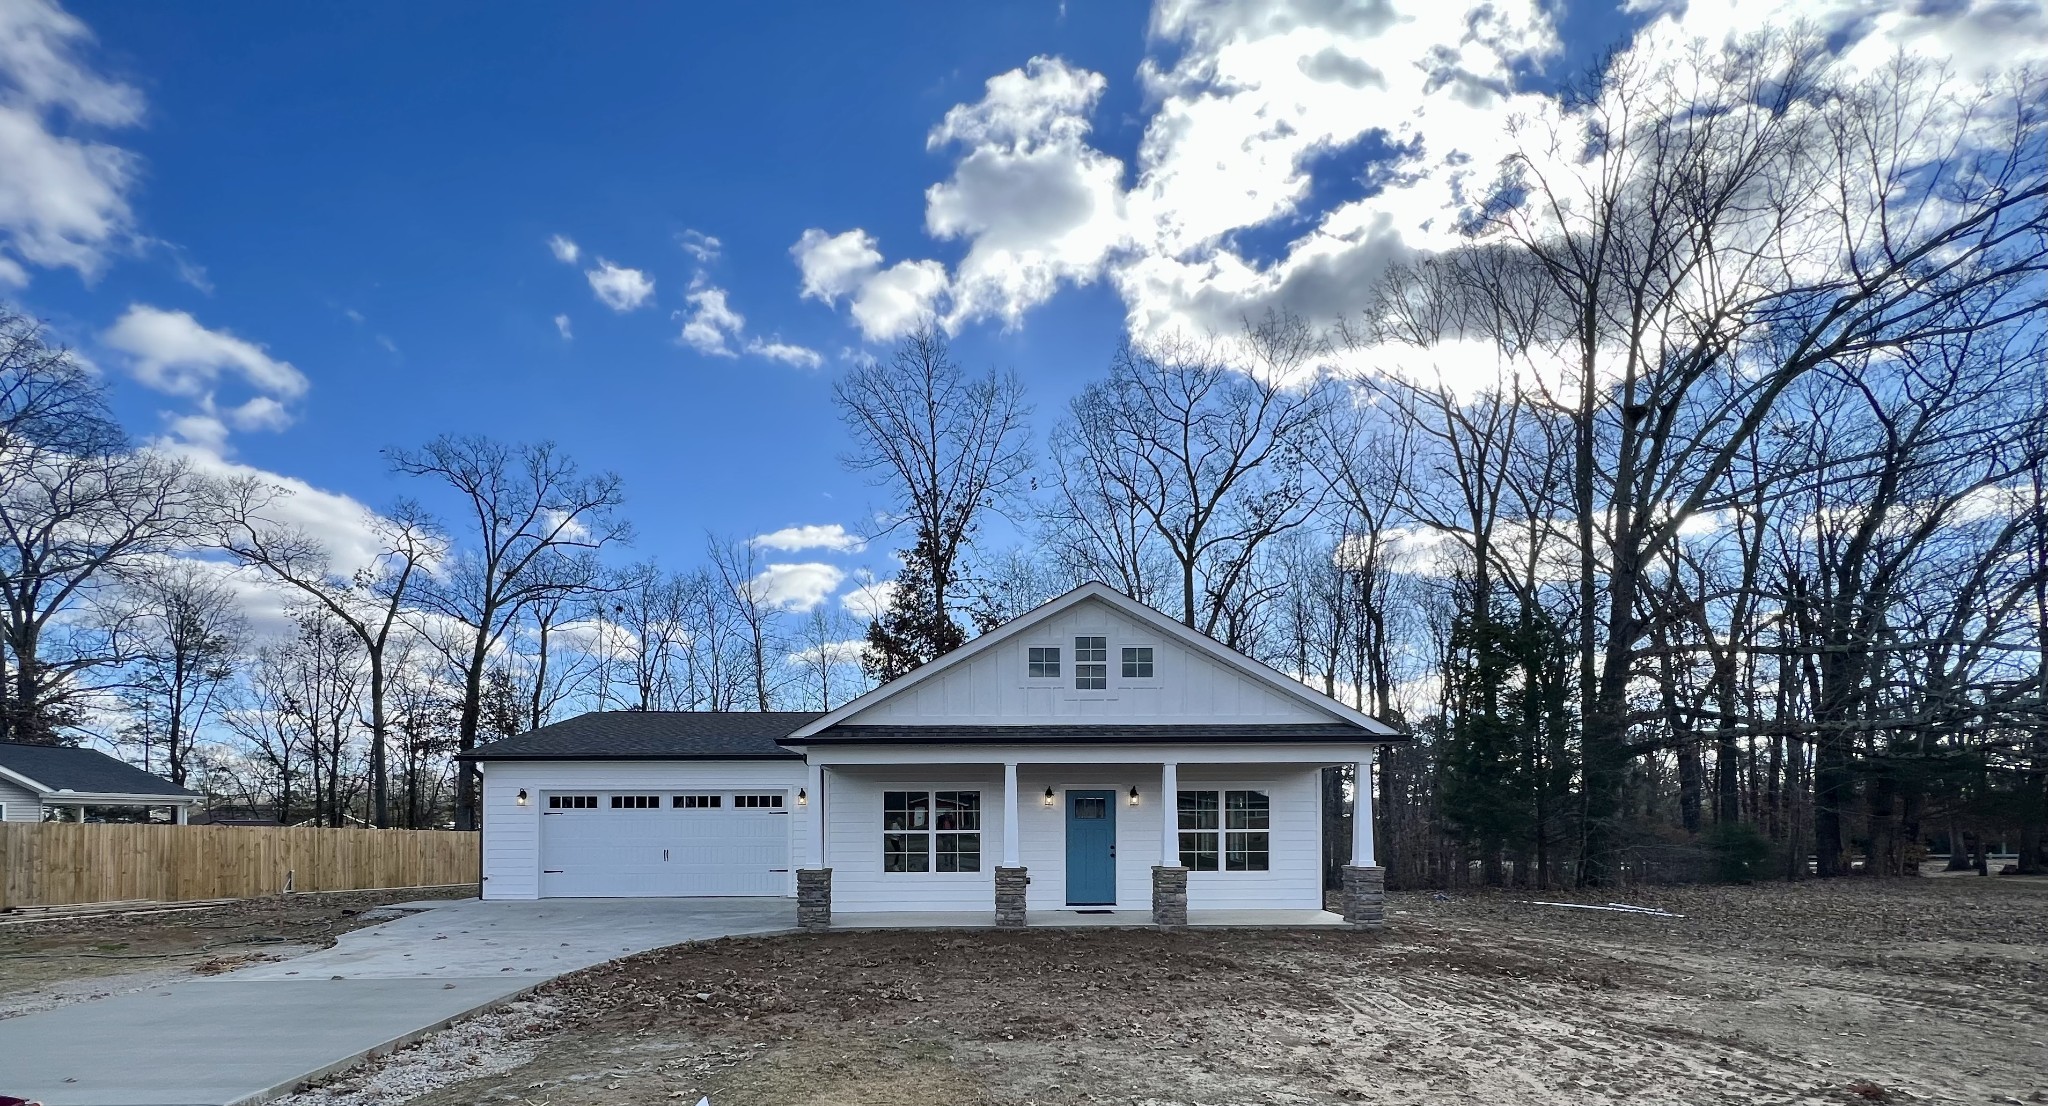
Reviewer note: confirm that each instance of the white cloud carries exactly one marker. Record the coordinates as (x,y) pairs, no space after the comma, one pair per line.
(618,287)
(171,352)
(832,652)
(699,245)
(713,328)
(562,327)
(869,600)
(884,303)
(709,322)
(63,197)
(260,413)
(565,250)
(803,357)
(832,536)
(796,587)
(1036,204)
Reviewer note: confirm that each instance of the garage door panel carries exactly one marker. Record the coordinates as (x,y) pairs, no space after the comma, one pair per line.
(664,851)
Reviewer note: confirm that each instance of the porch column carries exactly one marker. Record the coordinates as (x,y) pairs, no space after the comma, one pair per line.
(814,815)
(184,814)
(1365,883)
(1010,849)
(814,884)
(1169,879)
(1011,877)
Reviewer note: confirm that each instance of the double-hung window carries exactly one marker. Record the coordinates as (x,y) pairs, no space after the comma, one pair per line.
(1229,831)
(1044,662)
(931,831)
(1091,663)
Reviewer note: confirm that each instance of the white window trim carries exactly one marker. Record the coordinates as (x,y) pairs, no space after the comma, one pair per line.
(988,866)
(1223,830)
(1028,682)
(1137,683)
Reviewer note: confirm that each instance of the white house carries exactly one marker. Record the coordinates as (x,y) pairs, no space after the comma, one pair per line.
(38,781)
(1092,755)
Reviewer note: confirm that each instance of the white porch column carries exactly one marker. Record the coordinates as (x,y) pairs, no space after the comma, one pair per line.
(1361,815)
(814,814)
(1011,852)
(184,814)
(1169,814)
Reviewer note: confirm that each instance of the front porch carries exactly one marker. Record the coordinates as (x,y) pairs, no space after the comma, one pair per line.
(1104,836)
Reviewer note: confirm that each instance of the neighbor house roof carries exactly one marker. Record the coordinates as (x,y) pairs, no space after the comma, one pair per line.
(653,735)
(57,769)
(1038,733)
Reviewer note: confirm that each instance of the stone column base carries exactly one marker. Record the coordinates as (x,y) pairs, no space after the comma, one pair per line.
(1169,897)
(1010,883)
(814,898)
(1365,897)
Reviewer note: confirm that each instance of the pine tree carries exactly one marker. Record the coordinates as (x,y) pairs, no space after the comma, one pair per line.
(915,627)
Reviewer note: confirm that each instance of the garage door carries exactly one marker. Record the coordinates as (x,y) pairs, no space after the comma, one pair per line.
(604,843)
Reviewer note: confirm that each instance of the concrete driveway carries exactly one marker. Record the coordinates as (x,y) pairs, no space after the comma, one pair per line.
(258,1033)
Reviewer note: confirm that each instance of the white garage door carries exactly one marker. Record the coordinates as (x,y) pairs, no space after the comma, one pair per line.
(606,844)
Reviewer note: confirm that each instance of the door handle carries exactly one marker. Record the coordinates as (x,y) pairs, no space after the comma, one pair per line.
(664,854)
(1112,850)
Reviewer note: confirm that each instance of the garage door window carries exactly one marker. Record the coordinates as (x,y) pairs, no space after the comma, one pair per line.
(699,802)
(757,802)
(931,831)
(636,802)
(572,802)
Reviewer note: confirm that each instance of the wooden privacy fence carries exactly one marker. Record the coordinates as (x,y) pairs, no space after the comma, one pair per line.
(58,863)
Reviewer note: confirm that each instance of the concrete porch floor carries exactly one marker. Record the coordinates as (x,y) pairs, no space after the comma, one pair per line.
(1074,919)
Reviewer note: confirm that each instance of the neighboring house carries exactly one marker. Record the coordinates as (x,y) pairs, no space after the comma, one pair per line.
(33,777)
(1090,755)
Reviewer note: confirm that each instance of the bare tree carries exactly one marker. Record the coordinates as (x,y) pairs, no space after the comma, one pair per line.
(77,504)
(742,588)
(524,509)
(190,631)
(370,599)
(1210,444)
(950,447)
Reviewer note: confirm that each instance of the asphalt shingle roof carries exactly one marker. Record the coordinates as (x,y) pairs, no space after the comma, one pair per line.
(88,771)
(653,735)
(1072,734)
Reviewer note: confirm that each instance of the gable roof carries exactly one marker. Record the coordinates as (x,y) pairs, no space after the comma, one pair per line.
(653,735)
(1129,607)
(52,769)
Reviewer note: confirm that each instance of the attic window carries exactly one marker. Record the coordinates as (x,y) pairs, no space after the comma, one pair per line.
(1137,662)
(1044,662)
(1091,663)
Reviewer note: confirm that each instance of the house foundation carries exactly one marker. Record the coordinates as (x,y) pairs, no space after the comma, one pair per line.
(1169,897)
(1365,896)
(1010,884)
(814,898)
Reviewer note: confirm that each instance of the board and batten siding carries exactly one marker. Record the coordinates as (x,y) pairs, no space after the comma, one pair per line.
(853,847)
(994,688)
(512,832)
(19,804)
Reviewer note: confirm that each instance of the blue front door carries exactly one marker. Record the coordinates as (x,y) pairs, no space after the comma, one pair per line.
(1091,848)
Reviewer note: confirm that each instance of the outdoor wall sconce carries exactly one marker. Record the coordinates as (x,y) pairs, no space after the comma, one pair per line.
(1048,796)
(1134,794)
(803,797)
(522,796)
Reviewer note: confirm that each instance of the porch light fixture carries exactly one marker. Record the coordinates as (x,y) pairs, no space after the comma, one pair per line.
(1134,794)
(1048,796)
(522,796)
(803,797)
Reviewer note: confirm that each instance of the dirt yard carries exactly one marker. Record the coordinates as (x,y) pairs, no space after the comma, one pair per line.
(1928,991)
(49,961)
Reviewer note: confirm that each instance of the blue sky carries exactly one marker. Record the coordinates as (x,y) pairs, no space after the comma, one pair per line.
(292,235)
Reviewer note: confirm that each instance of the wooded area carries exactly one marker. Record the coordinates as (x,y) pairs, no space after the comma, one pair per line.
(53,864)
(1693,517)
